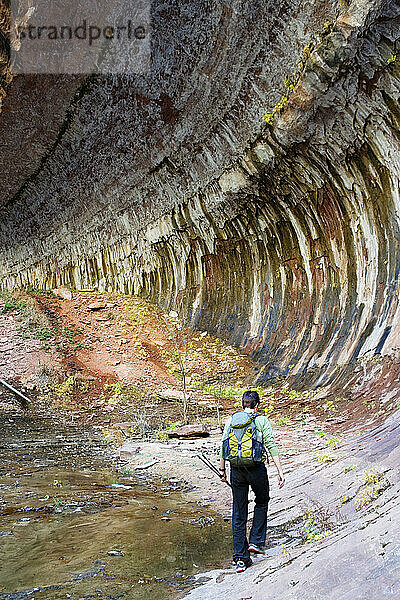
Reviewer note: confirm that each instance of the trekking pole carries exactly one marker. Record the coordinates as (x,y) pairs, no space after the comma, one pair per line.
(208,464)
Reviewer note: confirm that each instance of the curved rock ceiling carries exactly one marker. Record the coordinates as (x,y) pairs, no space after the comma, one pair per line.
(282,238)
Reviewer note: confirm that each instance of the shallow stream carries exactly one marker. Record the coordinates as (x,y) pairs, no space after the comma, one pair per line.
(74,524)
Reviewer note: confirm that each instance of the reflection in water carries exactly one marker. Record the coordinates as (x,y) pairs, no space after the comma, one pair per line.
(74,527)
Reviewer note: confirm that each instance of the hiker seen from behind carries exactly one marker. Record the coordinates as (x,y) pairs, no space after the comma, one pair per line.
(246,439)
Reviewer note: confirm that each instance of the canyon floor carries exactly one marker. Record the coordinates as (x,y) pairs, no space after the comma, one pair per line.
(112,363)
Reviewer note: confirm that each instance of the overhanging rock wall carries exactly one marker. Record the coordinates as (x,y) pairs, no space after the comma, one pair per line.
(283,239)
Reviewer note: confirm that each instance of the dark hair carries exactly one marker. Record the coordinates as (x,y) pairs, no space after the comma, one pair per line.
(250,399)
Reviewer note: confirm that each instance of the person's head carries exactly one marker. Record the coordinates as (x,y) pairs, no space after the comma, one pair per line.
(250,399)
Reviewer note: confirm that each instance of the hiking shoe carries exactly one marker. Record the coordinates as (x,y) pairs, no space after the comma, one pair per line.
(242,566)
(256,549)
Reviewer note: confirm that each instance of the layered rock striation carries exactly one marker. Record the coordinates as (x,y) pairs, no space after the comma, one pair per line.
(282,238)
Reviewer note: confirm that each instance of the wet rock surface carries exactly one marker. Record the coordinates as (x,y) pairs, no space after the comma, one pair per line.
(74,523)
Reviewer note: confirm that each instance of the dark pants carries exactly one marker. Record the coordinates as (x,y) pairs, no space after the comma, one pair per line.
(241,479)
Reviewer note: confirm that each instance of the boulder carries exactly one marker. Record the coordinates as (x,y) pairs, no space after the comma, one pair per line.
(62,293)
(189,431)
(172,394)
(129,449)
(96,306)
(125,424)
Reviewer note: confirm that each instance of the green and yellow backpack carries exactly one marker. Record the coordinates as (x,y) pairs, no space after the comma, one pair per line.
(241,447)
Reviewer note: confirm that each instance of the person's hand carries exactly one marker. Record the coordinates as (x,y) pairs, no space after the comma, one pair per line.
(281,479)
(222,474)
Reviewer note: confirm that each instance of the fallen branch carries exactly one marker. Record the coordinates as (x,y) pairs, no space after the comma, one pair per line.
(16,392)
(146,465)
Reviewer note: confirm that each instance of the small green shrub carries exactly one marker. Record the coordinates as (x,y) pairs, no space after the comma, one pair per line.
(67,392)
(162,435)
(325,457)
(10,305)
(327,438)
(291,82)
(329,407)
(169,425)
(118,393)
(40,292)
(372,485)
(317,523)
(42,333)
(366,496)
(283,421)
(348,468)
(126,472)
(371,476)
(268,118)
(66,389)
(113,436)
